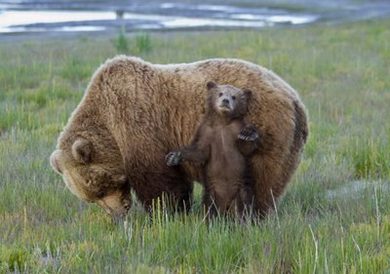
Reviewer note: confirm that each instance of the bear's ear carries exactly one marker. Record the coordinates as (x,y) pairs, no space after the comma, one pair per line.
(82,150)
(211,85)
(54,161)
(247,93)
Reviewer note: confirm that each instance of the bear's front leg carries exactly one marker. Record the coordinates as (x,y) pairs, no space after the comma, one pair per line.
(173,158)
(248,140)
(249,134)
(193,153)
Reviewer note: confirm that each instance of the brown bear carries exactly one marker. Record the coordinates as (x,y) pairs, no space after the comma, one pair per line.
(134,112)
(222,146)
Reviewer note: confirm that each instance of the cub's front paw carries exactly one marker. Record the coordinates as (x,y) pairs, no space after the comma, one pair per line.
(248,134)
(173,158)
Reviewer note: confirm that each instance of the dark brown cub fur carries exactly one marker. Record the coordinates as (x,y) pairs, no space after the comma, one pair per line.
(222,145)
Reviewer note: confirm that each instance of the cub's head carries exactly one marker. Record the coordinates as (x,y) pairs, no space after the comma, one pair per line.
(227,100)
(93,172)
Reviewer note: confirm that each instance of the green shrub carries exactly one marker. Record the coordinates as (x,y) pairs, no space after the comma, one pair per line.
(13,259)
(370,158)
(121,43)
(143,43)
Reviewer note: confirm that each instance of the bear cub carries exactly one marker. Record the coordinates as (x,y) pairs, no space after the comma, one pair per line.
(222,146)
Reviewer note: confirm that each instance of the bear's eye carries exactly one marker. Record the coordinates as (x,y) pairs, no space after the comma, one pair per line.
(234,97)
(220,94)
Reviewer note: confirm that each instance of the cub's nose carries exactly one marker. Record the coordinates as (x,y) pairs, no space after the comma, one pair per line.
(225,101)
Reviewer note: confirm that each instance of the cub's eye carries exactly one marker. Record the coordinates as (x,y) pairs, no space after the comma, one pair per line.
(234,97)
(220,94)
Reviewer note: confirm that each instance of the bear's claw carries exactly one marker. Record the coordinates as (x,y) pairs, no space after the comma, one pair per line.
(248,134)
(173,158)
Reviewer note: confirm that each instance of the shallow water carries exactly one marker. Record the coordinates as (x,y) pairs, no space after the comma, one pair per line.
(211,16)
(77,16)
(16,21)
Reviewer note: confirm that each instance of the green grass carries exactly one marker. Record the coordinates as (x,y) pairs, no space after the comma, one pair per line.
(334,218)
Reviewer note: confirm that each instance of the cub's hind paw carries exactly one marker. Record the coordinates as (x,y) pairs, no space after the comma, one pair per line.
(173,158)
(248,134)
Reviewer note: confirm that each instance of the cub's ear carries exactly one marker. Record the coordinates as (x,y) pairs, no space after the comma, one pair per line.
(247,93)
(82,150)
(211,85)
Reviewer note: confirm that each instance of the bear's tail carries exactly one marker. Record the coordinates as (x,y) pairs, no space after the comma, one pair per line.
(301,128)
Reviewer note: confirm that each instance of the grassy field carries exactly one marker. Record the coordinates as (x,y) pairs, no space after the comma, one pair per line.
(334,217)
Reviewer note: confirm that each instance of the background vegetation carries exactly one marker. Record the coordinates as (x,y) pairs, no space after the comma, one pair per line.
(334,218)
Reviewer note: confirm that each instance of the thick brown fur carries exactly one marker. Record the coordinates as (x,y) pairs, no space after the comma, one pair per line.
(134,112)
(222,146)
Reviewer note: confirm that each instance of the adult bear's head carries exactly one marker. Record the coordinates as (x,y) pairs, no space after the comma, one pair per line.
(93,175)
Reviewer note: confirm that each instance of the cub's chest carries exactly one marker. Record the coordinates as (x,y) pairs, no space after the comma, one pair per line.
(223,139)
